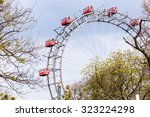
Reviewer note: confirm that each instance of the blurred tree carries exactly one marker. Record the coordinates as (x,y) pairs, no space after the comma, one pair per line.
(119,77)
(17,53)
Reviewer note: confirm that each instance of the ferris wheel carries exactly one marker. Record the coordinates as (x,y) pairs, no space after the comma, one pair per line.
(68,26)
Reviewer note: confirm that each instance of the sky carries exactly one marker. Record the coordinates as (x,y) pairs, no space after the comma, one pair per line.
(88,41)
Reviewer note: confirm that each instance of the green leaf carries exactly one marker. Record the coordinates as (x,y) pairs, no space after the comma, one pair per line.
(13,78)
(1,1)
(21,60)
(13,98)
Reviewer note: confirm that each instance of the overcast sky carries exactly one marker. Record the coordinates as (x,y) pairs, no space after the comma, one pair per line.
(52,11)
(87,42)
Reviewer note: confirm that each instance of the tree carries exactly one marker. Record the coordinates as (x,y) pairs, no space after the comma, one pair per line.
(143,45)
(17,52)
(119,77)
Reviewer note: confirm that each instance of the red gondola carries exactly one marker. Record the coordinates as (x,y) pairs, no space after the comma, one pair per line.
(88,9)
(44,72)
(66,21)
(112,11)
(135,22)
(50,43)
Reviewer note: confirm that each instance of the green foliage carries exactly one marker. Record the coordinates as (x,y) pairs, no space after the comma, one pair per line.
(1,47)
(67,93)
(119,77)
(21,60)
(4,96)
(13,78)
(13,98)
(1,1)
